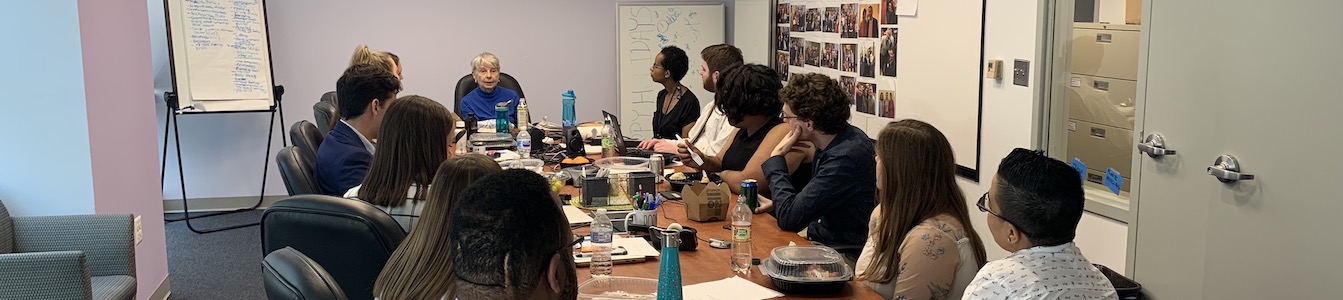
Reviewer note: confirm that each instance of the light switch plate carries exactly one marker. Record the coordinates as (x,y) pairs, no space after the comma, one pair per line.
(1021,72)
(995,69)
(139,230)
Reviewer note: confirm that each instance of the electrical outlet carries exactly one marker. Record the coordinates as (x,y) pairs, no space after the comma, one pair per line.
(139,231)
(1021,72)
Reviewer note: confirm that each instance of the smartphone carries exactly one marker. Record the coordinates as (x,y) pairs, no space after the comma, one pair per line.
(614,252)
(670,195)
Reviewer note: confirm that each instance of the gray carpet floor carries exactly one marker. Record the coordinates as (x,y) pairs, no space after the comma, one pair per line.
(219,265)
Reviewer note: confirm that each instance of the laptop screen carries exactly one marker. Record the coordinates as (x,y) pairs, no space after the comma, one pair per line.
(619,135)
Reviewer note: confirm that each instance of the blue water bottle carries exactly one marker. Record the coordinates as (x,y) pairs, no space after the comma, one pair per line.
(501,117)
(669,273)
(570,116)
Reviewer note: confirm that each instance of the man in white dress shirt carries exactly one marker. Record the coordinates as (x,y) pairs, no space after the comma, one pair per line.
(1033,206)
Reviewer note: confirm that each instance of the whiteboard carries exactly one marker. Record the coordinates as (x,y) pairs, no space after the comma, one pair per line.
(641,32)
(938,74)
(220,53)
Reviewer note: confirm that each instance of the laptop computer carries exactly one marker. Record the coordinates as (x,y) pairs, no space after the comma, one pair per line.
(623,148)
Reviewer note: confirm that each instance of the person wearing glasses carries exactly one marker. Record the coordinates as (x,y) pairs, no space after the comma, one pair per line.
(920,243)
(710,131)
(834,206)
(1034,204)
(677,106)
(520,243)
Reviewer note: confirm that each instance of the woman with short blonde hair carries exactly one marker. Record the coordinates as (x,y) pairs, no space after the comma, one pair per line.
(488,94)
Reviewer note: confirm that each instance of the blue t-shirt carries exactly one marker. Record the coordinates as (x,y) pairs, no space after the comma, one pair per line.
(482,104)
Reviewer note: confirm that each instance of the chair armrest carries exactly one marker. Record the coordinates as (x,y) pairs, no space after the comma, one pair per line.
(107,240)
(45,275)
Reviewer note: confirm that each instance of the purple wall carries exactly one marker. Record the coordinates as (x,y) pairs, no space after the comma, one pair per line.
(118,85)
(549,46)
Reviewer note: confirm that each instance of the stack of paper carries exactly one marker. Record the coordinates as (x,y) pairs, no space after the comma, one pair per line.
(637,250)
(576,216)
(733,287)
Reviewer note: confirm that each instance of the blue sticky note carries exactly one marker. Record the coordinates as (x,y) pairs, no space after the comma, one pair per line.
(1113,180)
(1081,169)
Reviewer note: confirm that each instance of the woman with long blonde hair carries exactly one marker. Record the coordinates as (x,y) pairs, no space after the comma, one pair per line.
(920,242)
(421,267)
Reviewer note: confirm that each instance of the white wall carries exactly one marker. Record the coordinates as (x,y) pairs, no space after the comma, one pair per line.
(1008,120)
(549,46)
(47,112)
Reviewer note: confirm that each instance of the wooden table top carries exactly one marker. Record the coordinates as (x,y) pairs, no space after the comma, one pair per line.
(707,264)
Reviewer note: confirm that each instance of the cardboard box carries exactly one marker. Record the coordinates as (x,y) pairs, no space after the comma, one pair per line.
(706,202)
(1133,12)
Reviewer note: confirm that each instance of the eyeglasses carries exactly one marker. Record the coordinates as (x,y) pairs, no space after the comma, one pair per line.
(578,239)
(984,207)
(785,116)
(656,66)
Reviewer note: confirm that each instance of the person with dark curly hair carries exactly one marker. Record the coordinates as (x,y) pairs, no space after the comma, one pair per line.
(836,205)
(677,106)
(748,95)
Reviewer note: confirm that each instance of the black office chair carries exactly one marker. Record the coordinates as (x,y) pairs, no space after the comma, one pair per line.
(298,171)
(305,135)
(467,83)
(324,112)
(290,275)
(351,238)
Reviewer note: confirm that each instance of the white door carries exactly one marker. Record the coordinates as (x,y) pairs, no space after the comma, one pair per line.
(1262,81)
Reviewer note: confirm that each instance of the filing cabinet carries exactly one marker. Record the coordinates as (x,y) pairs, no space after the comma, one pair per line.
(1105,50)
(1100,147)
(1102,100)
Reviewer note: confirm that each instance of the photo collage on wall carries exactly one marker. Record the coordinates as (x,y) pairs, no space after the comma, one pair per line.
(853,41)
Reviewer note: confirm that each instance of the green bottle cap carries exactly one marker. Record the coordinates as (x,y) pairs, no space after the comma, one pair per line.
(755,261)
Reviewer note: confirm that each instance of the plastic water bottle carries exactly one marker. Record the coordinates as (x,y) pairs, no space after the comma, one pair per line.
(570,116)
(603,234)
(608,139)
(524,118)
(524,144)
(741,228)
(501,118)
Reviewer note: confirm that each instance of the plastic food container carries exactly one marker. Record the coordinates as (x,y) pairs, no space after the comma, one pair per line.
(618,288)
(807,270)
(619,165)
(531,164)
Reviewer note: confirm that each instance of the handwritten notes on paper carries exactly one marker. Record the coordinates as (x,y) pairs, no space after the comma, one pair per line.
(226,49)
(643,30)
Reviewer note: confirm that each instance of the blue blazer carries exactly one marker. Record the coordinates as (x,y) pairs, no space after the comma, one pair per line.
(342,160)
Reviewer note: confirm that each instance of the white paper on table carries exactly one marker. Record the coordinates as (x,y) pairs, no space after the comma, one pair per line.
(576,216)
(731,288)
(637,250)
(907,7)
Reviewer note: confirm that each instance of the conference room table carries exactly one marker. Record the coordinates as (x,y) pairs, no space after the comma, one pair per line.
(707,264)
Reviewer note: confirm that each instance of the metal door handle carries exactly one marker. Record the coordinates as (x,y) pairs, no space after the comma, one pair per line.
(1155,146)
(1227,170)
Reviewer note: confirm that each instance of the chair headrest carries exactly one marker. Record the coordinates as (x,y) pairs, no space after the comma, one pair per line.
(296,169)
(351,238)
(291,275)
